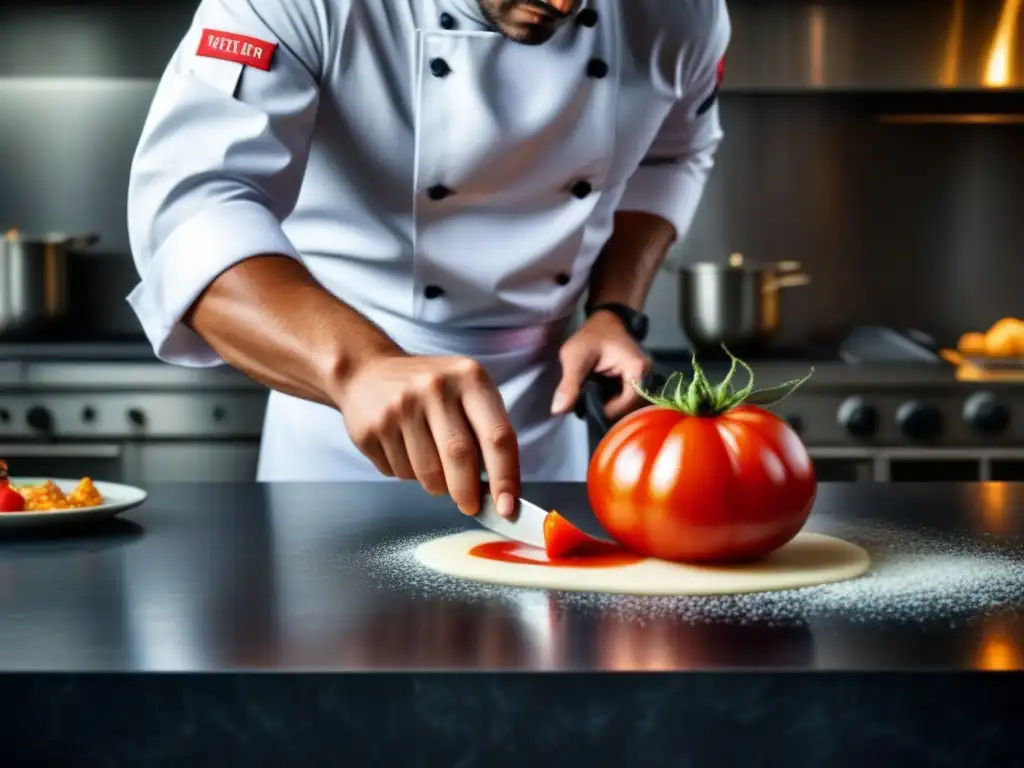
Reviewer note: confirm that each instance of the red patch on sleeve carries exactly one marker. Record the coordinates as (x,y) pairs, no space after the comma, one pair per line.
(240,49)
(720,72)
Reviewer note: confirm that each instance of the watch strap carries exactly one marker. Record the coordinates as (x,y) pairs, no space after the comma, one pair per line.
(635,322)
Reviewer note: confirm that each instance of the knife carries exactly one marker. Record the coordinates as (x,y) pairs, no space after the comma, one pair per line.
(525,526)
(527,523)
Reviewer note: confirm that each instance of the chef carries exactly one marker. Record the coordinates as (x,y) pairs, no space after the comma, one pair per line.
(388,212)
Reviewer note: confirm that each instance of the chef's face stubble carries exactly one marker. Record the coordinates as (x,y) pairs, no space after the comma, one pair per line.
(529,22)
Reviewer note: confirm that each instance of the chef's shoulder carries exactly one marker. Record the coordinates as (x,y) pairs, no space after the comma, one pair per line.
(692,33)
(302,31)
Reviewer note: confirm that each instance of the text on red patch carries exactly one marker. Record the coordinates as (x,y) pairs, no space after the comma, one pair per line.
(241,49)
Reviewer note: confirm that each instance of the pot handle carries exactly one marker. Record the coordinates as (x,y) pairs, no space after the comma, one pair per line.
(82,242)
(789,281)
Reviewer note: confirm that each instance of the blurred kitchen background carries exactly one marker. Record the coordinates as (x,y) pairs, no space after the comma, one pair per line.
(879,145)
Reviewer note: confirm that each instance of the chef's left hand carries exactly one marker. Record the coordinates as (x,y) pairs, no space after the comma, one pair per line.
(602,346)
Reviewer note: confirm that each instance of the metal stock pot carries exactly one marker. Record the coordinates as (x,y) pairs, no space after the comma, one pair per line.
(736,304)
(34,277)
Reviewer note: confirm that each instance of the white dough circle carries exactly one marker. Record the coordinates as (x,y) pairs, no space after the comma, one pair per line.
(808,560)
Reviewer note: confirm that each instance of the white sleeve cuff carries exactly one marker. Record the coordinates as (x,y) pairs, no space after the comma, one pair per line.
(671,191)
(191,258)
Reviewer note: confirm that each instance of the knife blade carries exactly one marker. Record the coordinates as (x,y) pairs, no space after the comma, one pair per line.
(525,526)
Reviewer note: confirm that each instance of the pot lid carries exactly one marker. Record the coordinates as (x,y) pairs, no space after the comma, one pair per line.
(51,238)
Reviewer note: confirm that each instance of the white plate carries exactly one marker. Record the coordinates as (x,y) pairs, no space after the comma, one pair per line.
(116,499)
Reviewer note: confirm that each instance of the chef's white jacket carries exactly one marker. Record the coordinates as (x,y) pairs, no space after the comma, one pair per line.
(454,186)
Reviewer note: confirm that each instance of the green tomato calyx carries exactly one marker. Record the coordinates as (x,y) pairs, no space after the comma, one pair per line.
(701,398)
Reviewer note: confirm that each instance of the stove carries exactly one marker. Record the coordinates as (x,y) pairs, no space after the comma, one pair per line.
(885,405)
(109,409)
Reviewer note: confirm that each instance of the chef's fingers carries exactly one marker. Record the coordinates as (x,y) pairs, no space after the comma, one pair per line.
(374,451)
(622,404)
(628,400)
(457,449)
(577,362)
(393,445)
(423,456)
(498,444)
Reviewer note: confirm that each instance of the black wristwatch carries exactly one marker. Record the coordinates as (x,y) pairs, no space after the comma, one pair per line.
(636,323)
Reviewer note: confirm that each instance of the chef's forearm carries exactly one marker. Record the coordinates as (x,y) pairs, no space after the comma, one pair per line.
(268,317)
(629,262)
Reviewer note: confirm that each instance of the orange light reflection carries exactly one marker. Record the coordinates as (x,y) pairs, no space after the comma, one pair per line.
(999,69)
(999,650)
(950,76)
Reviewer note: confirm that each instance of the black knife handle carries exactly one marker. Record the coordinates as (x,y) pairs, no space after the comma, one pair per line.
(597,390)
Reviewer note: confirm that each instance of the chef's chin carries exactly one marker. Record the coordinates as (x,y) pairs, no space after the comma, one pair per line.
(528,34)
(502,16)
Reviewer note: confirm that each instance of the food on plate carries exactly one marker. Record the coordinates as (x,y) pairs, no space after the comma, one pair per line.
(1004,339)
(972,344)
(49,496)
(704,474)
(46,497)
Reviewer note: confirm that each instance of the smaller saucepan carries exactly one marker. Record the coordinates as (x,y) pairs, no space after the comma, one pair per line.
(34,286)
(736,304)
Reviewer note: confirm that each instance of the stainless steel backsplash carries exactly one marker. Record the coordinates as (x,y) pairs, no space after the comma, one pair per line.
(909,222)
(913,225)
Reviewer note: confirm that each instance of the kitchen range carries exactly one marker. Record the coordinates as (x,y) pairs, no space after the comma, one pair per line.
(111,411)
(887,405)
(882,405)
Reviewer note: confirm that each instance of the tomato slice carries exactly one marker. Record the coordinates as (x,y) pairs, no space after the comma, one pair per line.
(10,499)
(563,539)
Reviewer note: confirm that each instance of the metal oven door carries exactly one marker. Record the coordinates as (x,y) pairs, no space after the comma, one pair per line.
(101,461)
(844,465)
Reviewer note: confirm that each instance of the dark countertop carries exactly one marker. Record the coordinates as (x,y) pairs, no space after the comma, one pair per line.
(293,577)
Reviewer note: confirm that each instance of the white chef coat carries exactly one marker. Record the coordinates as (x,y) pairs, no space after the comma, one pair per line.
(454,186)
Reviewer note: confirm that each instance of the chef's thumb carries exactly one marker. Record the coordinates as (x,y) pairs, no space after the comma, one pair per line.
(576,365)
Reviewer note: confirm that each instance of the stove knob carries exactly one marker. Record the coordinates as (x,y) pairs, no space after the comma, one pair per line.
(136,417)
(39,419)
(985,415)
(919,421)
(88,415)
(858,418)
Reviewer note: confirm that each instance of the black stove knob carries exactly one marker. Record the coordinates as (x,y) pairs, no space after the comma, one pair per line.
(88,415)
(39,419)
(919,421)
(985,415)
(858,418)
(136,417)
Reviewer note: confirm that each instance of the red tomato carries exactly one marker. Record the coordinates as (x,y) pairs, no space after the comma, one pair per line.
(732,485)
(10,499)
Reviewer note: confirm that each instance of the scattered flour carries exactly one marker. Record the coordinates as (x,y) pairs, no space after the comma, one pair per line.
(915,576)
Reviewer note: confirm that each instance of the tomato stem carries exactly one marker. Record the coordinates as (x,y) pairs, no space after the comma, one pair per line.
(700,398)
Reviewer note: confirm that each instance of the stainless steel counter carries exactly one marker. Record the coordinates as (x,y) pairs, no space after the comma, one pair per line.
(293,577)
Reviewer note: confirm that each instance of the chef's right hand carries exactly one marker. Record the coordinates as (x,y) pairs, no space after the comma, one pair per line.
(431,419)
